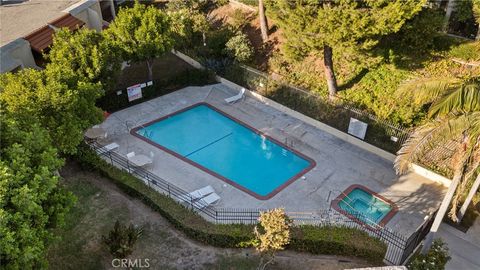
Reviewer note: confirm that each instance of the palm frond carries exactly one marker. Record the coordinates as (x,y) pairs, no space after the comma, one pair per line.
(425,90)
(427,138)
(464,99)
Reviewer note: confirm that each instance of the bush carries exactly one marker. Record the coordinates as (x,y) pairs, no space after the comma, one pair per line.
(419,33)
(121,239)
(436,258)
(317,240)
(239,19)
(239,48)
(112,102)
(467,51)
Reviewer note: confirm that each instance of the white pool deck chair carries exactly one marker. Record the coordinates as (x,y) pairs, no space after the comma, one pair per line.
(211,199)
(236,98)
(108,148)
(202,192)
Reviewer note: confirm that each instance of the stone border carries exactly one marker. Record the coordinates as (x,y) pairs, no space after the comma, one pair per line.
(335,205)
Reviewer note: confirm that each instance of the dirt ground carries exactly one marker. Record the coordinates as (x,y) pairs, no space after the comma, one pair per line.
(100,203)
(263,51)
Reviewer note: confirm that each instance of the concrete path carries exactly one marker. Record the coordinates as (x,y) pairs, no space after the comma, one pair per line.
(464,250)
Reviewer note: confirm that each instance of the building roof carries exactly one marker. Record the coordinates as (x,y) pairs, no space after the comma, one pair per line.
(43,37)
(20,18)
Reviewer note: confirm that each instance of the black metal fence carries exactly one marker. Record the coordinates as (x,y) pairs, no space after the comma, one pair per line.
(380,132)
(399,247)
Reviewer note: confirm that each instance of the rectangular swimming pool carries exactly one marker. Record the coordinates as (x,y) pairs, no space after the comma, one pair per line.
(232,151)
(360,203)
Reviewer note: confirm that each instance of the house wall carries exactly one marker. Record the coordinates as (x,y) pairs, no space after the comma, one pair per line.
(89,12)
(16,54)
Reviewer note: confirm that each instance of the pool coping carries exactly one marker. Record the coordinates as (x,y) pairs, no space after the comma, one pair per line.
(382,222)
(274,192)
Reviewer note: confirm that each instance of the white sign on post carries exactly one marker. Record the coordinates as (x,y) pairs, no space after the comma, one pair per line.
(357,128)
(134,92)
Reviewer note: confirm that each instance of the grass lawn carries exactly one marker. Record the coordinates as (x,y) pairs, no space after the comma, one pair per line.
(100,203)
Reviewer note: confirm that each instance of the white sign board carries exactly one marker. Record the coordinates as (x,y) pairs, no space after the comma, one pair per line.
(134,92)
(357,128)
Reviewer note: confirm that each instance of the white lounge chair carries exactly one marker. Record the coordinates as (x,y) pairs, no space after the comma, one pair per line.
(236,98)
(211,199)
(200,193)
(108,148)
(139,160)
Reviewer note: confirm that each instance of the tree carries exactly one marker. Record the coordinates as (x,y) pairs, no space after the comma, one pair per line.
(455,115)
(239,48)
(448,14)
(56,99)
(263,20)
(272,235)
(142,34)
(353,27)
(31,201)
(87,53)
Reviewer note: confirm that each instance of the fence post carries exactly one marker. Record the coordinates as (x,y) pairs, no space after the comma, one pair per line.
(168,187)
(110,156)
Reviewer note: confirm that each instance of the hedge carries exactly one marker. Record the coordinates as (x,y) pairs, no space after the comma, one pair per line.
(329,240)
(112,102)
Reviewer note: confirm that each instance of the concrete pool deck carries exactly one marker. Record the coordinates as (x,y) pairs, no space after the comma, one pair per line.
(339,164)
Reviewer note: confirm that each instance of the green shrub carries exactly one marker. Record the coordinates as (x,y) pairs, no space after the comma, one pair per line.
(468,51)
(419,33)
(239,48)
(239,19)
(112,102)
(317,240)
(436,258)
(121,239)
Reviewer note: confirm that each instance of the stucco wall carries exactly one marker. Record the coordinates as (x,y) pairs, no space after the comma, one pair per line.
(16,54)
(89,12)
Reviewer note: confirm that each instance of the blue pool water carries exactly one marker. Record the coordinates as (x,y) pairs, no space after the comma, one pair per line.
(365,206)
(227,148)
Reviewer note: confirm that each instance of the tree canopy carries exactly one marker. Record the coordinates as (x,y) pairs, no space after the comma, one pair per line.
(88,53)
(55,98)
(31,202)
(141,33)
(351,28)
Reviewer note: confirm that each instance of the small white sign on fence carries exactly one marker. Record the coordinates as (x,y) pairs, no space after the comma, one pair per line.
(357,128)
(134,92)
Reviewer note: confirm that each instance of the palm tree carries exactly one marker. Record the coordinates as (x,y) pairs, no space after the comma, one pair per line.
(454,115)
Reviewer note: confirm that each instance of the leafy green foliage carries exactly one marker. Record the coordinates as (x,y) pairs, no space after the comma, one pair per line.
(31,202)
(272,235)
(467,51)
(436,258)
(121,239)
(87,53)
(418,34)
(376,92)
(239,19)
(55,98)
(348,26)
(112,102)
(190,27)
(141,33)
(239,48)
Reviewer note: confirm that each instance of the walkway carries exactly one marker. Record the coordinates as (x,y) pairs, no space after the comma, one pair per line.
(464,249)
